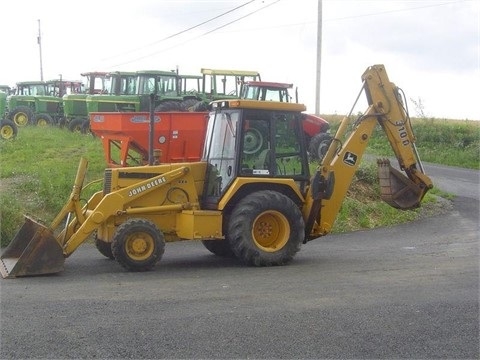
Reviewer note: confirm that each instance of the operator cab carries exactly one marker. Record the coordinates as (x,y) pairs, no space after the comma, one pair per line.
(266,91)
(254,140)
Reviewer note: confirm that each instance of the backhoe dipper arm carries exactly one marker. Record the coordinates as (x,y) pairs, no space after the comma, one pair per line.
(343,157)
(385,97)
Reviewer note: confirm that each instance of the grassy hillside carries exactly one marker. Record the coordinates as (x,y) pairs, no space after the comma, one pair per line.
(37,170)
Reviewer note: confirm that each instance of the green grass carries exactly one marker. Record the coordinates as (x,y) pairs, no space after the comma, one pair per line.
(37,171)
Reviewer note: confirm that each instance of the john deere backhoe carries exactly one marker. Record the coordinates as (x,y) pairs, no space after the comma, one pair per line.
(259,206)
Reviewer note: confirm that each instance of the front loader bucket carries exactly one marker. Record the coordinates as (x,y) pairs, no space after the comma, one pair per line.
(396,189)
(33,251)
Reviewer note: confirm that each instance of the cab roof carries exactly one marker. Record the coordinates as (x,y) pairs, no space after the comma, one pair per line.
(229,72)
(258,104)
(269,84)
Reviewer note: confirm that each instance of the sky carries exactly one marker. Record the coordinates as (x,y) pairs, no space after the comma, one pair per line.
(430,49)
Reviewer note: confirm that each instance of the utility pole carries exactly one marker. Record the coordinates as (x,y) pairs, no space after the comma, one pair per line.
(319,58)
(39,41)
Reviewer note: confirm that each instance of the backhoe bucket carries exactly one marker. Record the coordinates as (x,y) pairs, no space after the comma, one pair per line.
(396,189)
(33,251)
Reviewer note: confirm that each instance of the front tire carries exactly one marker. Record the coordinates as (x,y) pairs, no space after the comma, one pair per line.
(266,228)
(105,248)
(138,245)
(8,129)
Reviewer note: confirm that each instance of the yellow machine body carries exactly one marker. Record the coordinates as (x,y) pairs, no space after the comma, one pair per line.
(252,196)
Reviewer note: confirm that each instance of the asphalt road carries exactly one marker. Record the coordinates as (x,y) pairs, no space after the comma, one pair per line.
(409,291)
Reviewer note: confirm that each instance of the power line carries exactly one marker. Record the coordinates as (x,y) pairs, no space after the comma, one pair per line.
(183,31)
(347,17)
(394,11)
(206,33)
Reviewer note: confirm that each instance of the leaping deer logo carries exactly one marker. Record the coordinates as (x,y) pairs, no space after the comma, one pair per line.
(350,158)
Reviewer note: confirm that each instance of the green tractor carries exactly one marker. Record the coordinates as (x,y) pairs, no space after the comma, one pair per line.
(135,96)
(8,129)
(6,90)
(220,84)
(38,102)
(119,96)
(22,105)
(75,104)
(60,87)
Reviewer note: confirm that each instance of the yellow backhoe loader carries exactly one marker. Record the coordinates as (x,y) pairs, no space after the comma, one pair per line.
(252,196)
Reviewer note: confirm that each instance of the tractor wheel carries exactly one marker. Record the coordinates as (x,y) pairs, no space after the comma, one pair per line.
(188,104)
(8,129)
(253,141)
(105,248)
(201,106)
(319,145)
(266,228)
(138,245)
(76,125)
(219,247)
(169,106)
(62,122)
(43,120)
(86,127)
(22,116)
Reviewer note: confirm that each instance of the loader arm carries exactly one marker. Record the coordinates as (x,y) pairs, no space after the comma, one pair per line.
(36,249)
(334,175)
(100,208)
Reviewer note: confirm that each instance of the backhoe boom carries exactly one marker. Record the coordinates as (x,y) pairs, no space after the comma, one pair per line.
(343,156)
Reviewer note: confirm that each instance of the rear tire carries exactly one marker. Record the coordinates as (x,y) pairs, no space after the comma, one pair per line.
(319,145)
(169,106)
(22,115)
(201,106)
(86,127)
(266,228)
(253,141)
(8,129)
(76,125)
(188,104)
(138,245)
(43,120)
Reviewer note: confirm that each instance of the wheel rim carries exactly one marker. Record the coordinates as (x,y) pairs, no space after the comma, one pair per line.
(139,246)
(21,119)
(7,132)
(252,142)
(42,122)
(271,231)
